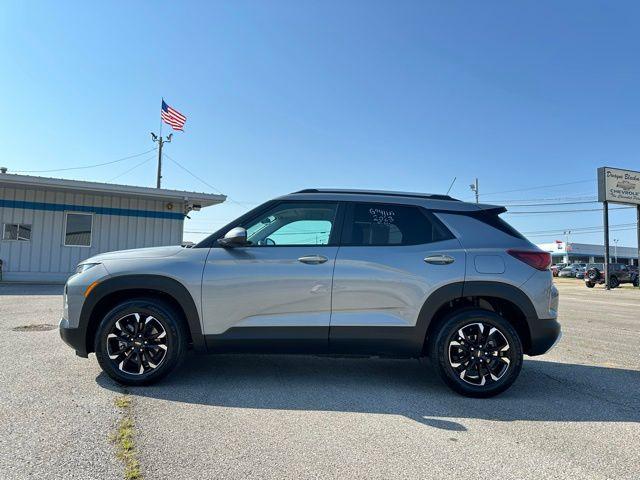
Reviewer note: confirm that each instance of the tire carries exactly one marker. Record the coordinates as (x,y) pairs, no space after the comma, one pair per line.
(593,274)
(121,350)
(590,284)
(614,282)
(636,282)
(449,360)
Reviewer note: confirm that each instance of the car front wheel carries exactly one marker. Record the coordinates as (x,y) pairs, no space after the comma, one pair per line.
(140,341)
(477,353)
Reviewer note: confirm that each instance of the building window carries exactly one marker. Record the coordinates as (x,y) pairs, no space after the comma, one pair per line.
(77,229)
(16,231)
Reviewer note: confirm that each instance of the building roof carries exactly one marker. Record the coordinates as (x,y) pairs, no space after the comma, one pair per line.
(98,188)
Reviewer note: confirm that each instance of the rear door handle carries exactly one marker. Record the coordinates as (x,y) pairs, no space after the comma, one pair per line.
(313,259)
(439,259)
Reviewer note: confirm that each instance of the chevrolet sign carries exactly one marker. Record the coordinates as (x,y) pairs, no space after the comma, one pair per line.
(618,186)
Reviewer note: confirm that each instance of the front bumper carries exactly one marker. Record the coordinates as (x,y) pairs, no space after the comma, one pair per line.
(74,337)
(545,333)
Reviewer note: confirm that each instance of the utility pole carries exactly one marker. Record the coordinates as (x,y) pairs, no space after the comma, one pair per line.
(615,249)
(638,228)
(567,234)
(161,142)
(605,214)
(474,188)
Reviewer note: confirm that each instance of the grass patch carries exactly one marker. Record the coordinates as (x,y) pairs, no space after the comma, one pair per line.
(124,439)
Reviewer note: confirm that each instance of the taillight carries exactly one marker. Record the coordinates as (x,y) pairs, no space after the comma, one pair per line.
(536,259)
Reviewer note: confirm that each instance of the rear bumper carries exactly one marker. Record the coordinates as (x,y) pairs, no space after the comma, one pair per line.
(74,337)
(545,333)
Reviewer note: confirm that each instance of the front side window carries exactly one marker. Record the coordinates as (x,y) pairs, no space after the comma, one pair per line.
(290,224)
(77,229)
(16,231)
(389,224)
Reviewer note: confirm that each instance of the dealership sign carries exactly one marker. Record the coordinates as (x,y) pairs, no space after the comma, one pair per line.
(618,186)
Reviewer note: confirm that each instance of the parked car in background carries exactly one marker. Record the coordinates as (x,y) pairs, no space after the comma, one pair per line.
(569,271)
(555,269)
(582,268)
(618,273)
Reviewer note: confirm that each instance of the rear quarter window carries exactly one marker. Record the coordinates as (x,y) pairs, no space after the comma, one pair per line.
(494,220)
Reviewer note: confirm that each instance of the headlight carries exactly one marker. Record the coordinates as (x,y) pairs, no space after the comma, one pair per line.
(83,267)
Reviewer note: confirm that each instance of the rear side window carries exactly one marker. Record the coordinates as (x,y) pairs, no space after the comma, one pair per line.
(492,218)
(379,224)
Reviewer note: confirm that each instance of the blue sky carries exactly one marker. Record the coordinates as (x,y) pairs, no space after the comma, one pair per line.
(287,95)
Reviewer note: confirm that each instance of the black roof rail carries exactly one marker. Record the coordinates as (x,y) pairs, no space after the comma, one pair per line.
(430,196)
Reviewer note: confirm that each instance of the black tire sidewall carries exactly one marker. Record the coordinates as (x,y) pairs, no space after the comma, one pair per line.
(613,282)
(589,284)
(439,354)
(176,340)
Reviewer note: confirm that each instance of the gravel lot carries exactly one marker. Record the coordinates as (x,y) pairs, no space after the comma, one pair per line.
(573,413)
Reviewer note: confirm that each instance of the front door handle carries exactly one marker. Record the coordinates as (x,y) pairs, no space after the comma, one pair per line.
(313,259)
(439,259)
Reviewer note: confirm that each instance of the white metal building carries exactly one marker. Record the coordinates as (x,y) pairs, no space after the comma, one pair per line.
(50,224)
(588,253)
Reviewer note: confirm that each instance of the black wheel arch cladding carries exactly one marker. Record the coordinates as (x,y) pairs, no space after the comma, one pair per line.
(129,286)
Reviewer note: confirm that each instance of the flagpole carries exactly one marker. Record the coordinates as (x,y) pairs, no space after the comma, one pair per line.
(162,100)
(160,142)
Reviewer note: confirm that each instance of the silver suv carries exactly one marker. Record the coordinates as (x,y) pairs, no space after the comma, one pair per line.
(326,271)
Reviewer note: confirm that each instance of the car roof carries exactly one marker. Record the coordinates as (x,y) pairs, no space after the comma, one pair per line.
(432,201)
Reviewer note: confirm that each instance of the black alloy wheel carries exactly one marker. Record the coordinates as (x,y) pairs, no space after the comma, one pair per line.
(479,352)
(614,282)
(137,343)
(140,341)
(476,352)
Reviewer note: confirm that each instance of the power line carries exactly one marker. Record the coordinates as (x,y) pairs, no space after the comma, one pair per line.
(546,204)
(539,187)
(203,181)
(133,168)
(581,232)
(565,211)
(86,166)
(575,229)
(554,199)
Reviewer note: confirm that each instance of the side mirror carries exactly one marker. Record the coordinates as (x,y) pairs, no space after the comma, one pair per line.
(236,237)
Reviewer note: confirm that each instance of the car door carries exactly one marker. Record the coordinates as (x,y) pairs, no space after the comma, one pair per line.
(275,292)
(391,258)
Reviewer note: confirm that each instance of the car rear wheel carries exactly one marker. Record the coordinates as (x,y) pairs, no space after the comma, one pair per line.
(140,341)
(614,282)
(477,353)
(590,284)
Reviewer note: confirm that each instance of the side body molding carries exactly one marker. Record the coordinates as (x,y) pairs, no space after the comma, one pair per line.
(152,283)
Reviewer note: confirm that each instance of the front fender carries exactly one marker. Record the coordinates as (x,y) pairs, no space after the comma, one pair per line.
(144,283)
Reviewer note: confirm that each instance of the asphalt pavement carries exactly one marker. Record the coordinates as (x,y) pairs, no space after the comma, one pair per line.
(573,413)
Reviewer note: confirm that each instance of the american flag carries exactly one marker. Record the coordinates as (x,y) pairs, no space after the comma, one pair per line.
(172,117)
